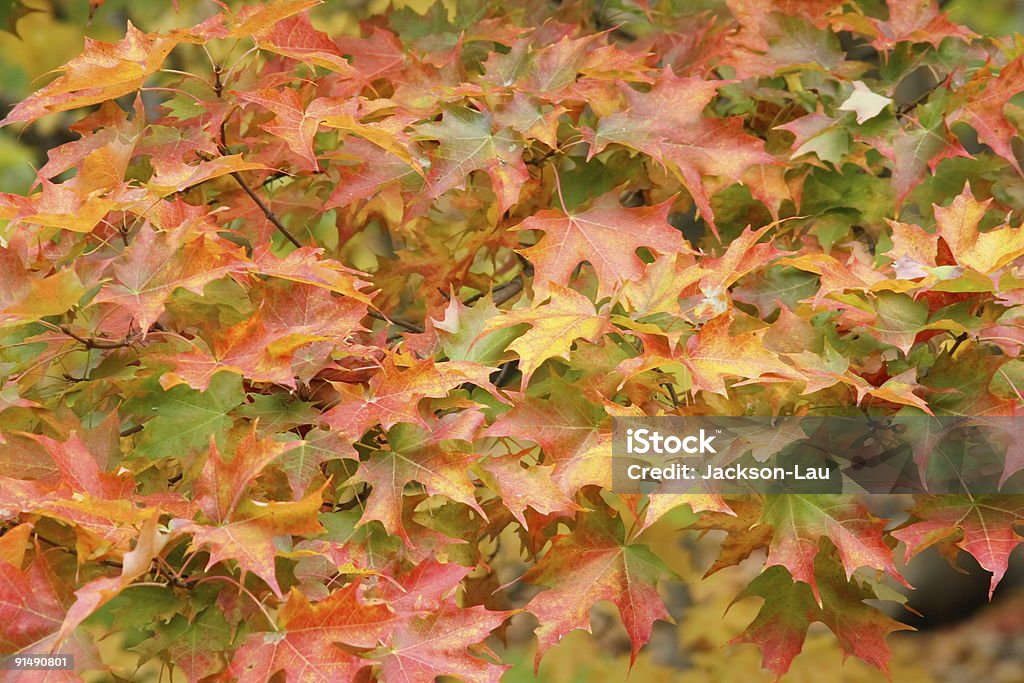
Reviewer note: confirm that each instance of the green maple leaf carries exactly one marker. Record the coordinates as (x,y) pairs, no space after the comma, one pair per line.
(182,419)
(469,143)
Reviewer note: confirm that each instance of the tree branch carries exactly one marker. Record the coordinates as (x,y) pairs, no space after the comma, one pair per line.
(507,291)
(218,88)
(501,293)
(265,209)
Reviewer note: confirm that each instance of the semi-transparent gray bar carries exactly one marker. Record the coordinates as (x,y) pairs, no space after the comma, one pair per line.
(858,454)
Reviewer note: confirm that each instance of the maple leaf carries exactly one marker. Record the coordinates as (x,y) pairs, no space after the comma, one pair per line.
(378,55)
(790,608)
(30,609)
(393,395)
(800,522)
(250,19)
(603,567)
(107,140)
(241,349)
(776,36)
(181,420)
(248,535)
(263,347)
(301,461)
(531,119)
(913,249)
(668,124)
(293,123)
(714,353)
(428,457)
(306,642)
(431,635)
(10,12)
(223,482)
(984,99)
(70,206)
(662,285)
(743,255)
(818,133)
(566,426)
(605,234)
(865,103)
(467,144)
(307,266)
(175,175)
(94,503)
(425,647)
(297,125)
(426,587)
(916,21)
(900,389)
(29,298)
(554,326)
(985,252)
(524,487)
(745,532)
(296,38)
(14,543)
(660,502)
(346,114)
(984,526)
(916,152)
(461,333)
(80,471)
(837,276)
(104,71)
(157,263)
(375,171)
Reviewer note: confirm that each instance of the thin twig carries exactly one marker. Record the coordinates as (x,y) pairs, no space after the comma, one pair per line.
(506,373)
(218,89)
(507,291)
(501,293)
(672,393)
(92,343)
(907,107)
(404,324)
(265,209)
(134,429)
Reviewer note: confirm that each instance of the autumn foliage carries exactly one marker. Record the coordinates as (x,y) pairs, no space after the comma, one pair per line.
(296,340)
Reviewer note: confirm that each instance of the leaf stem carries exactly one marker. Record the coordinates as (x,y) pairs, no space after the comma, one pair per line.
(960,339)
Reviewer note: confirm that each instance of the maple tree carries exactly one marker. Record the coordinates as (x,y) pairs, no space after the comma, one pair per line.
(302,327)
